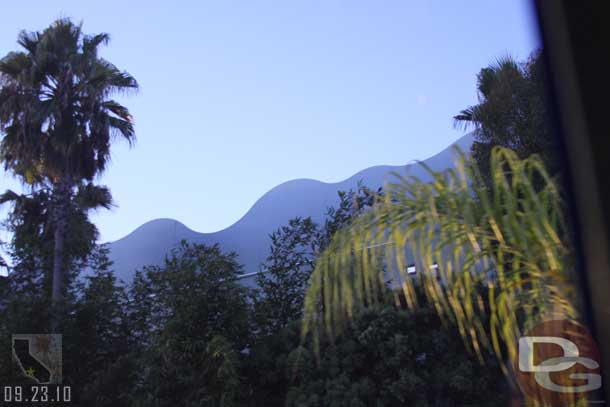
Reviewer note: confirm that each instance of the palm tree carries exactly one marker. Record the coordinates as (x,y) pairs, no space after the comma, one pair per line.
(512,112)
(59,119)
(494,260)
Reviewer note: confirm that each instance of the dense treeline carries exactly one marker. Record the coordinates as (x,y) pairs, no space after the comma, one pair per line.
(187,333)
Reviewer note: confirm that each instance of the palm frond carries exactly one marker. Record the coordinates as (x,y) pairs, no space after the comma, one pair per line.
(91,42)
(29,40)
(90,196)
(470,245)
(14,64)
(9,196)
(465,119)
(111,77)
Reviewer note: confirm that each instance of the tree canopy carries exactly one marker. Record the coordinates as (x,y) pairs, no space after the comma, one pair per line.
(513,112)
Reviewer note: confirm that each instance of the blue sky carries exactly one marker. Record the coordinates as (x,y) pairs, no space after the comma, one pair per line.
(239,96)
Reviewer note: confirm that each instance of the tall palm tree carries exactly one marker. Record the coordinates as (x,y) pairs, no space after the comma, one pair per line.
(59,119)
(480,254)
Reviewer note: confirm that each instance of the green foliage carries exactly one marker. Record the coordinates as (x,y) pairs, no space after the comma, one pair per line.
(507,238)
(182,336)
(97,345)
(389,357)
(31,226)
(97,339)
(278,305)
(386,357)
(351,204)
(293,251)
(195,324)
(267,369)
(512,112)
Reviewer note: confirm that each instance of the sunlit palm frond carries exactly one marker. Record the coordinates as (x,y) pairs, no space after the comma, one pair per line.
(495,261)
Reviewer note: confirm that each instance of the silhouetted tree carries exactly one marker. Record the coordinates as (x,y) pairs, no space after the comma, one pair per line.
(512,112)
(58,120)
(194,326)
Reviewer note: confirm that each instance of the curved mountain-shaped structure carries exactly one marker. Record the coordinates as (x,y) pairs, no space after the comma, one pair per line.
(249,237)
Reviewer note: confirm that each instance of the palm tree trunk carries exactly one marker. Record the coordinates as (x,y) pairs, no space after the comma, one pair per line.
(60,219)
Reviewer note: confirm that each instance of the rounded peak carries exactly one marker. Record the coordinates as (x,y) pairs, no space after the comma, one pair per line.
(158,226)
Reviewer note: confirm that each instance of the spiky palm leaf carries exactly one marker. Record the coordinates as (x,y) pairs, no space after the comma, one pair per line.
(461,236)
